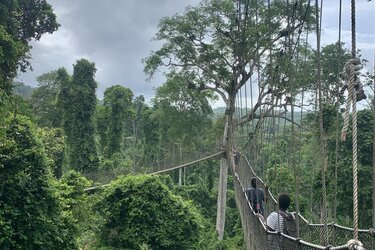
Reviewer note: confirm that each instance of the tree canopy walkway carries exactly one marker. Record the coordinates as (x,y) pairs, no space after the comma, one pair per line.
(270,49)
(255,232)
(258,237)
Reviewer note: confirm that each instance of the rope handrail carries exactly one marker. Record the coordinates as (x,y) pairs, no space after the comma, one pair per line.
(301,216)
(188,164)
(259,239)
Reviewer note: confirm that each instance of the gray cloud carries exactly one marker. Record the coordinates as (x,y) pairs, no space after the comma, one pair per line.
(117,35)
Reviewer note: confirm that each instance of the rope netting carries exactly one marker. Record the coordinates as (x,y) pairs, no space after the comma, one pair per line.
(166,165)
(257,237)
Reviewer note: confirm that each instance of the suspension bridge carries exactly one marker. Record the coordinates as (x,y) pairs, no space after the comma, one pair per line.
(263,115)
(256,234)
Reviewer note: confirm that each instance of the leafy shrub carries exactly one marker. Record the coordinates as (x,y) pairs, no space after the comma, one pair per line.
(139,210)
(31,216)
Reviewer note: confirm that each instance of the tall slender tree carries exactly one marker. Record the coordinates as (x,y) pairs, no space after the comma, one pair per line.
(117,103)
(77,100)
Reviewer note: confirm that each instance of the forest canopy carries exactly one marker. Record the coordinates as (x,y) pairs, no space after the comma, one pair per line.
(78,171)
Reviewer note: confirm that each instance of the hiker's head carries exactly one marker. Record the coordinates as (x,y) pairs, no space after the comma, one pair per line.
(254,182)
(284,201)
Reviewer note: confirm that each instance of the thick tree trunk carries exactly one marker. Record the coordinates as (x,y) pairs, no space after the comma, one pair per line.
(222,198)
(225,162)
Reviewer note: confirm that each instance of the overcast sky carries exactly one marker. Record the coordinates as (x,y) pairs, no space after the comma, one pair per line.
(117,35)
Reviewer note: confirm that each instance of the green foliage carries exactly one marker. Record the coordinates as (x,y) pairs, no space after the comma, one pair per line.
(11,52)
(330,116)
(43,101)
(76,202)
(182,113)
(219,41)
(31,216)
(333,58)
(204,196)
(281,179)
(77,101)
(117,108)
(109,168)
(101,127)
(200,196)
(152,136)
(16,104)
(116,161)
(20,22)
(134,141)
(22,90)
(54,147)
(26,20)
(142,210)
(345,172)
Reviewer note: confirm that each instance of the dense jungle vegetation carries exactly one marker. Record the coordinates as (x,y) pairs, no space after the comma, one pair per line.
(57,139)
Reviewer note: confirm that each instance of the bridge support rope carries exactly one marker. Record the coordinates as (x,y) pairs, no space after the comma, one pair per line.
(168,169)
(258,237)
(323,144)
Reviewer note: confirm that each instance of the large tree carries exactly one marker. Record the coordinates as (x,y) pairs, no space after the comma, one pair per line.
(333,59)
(182,112)
(223,42)
(77,101)
(43,101)
(21,22)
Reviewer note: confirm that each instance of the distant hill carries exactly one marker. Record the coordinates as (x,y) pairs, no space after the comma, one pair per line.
(22,90)
(219,111)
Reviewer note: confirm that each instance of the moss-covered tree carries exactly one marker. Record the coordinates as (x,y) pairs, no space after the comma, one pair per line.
(77,101)
(142,210)
(117,106)
(31,216)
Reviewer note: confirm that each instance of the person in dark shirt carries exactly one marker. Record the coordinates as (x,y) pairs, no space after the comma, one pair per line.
(256,196)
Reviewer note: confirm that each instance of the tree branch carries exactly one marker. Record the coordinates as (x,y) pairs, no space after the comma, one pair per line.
(219,92)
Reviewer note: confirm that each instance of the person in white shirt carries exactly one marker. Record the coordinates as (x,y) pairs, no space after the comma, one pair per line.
(276,221)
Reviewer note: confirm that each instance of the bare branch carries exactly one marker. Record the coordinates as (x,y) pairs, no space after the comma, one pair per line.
(282,117)
(219,92)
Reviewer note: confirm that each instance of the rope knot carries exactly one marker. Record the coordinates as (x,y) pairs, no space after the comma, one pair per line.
(355,88)
(352,70)
(355,245)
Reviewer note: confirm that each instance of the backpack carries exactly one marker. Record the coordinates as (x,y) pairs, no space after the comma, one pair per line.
(290,224)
